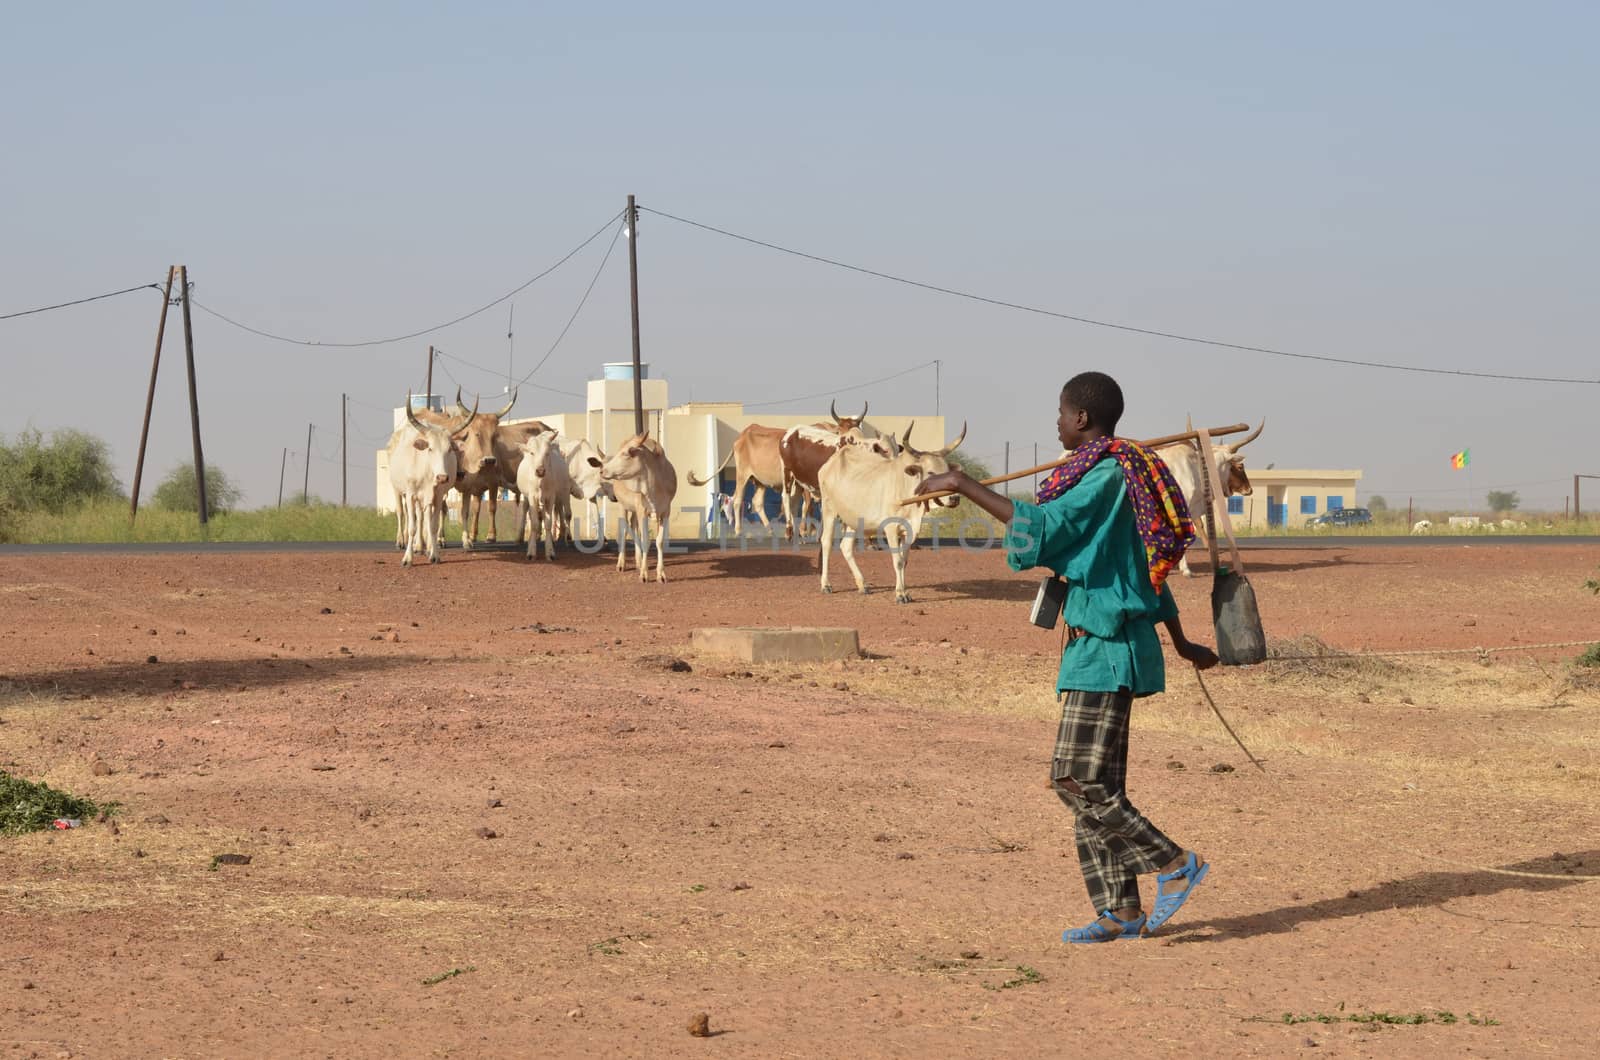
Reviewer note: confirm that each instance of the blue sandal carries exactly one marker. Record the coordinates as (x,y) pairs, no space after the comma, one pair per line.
(1168,904)
(1098,932)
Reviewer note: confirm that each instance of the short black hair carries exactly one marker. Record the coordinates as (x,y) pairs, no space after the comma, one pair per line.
(1097,394)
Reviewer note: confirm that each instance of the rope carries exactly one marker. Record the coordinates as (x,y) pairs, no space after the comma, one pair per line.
(1253,759)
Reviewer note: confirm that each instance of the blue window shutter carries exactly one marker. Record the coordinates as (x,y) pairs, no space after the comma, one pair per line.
(1334,502)
(1235,505)
(1308,506)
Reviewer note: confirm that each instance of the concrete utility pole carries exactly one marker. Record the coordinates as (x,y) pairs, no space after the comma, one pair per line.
(344,450)
(632,224)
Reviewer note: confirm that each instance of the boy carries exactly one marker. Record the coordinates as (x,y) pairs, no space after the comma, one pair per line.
(1113,523)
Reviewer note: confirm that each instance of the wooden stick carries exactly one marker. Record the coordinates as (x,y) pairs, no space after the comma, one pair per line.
(1153,443)
(1216,516)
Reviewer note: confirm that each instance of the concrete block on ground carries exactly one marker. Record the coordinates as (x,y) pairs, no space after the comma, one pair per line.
(759,644)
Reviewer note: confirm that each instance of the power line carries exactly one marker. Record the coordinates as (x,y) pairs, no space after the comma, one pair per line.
(81,301)
(581,303)
(425,331)
(494,372)
(1115,326)
(837,389)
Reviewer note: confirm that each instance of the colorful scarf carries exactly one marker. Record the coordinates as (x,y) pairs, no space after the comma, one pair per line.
(1159,510)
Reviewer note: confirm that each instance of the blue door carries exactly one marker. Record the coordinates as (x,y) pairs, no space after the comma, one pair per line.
(1277,512)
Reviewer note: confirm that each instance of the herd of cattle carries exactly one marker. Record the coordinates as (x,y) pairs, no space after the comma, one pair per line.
(858,477)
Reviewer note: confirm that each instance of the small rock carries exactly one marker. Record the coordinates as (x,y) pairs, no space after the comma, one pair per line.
(138,853)
(1470,622)
(777,743)
(28,985)
(88,651)
(840,686)
(326,611)
(1175,765)
(1408,701)
(969,955)
(881,837)
(159,819)
(231,859)
(1311,1043)
(323,769)
(740,886)
(1362,697)
(486,833)
(151,659)
(100,769)
(217,956)
(1222,767)
(574,1014)
(180,631)
(700,1025)
(495,804)
(344,650)
(1558,856)
(188,686)
(152,632)
(1352,894)
(905,855)
(392,637)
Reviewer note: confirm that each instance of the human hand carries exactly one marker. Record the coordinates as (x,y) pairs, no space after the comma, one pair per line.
(1201,656)
(948,480)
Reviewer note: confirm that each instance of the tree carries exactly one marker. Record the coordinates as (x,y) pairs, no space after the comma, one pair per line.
(70,468)
(1503,500)
(976,468)
(176,492)
(1378,504)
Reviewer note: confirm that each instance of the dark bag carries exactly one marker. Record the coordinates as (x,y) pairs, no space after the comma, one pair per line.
(1048,603)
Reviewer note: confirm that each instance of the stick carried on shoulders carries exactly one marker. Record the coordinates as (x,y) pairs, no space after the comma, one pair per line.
(1153,443)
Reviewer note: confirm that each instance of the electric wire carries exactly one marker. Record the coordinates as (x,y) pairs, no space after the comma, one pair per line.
(424,331)
(79,301)
(1022,307)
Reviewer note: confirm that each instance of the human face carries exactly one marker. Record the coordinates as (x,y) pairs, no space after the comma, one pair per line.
(1071,425)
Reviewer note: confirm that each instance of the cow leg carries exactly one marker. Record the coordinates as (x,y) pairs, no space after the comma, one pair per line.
(826,537)
(641,544)
(494,514)
(399,521)
(435,531)
(624,531)
(895,540)
(548,530)
(408,533)
(661,549)
(847,549)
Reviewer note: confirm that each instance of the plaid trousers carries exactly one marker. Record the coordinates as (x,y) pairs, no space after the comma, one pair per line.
(1115,841)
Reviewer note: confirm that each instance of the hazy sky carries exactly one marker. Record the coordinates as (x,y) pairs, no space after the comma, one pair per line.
(1409,183)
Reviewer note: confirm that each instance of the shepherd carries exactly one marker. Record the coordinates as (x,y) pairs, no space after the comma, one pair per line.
(1113,523)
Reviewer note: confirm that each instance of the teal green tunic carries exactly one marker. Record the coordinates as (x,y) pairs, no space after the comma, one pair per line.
(1087,536)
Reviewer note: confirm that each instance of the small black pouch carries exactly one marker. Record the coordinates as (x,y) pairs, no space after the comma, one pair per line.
(1048,603)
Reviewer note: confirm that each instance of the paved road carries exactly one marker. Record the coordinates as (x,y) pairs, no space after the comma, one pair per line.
(1248,543)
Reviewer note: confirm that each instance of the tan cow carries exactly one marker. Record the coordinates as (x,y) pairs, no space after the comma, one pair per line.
(645,483)
(1187,470)
(422,466)
(509,439)
(542,480)
(864,491)
(756,457)
(585,485)
(478,471)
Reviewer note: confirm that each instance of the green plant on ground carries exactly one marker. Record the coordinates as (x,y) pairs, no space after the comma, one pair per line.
(1025,977)
(1590,656)
(107,522)
(177,491)
(1407,1019)
(30,806)
(434,980)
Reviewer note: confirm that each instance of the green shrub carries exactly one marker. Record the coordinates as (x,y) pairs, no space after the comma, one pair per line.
(177,491)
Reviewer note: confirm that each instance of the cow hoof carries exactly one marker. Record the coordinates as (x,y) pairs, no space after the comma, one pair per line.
(405,563)
(864,591)
(902,598)
(827,588)
(490,539)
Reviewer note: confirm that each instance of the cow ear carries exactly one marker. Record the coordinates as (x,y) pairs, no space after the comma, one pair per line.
(634,451)
(419,444)
(595,463)
(913,471)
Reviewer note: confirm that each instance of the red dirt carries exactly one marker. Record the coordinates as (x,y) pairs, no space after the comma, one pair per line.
(805,854)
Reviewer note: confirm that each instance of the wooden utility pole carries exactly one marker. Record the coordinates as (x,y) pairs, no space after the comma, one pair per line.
(150,398)
(1036,464)
(194,399)
(936,366)
(305,488)
(344,450)
(632,224)
(282,464)
(1577,505)
(427,399)
(1008,466)
(1409,522)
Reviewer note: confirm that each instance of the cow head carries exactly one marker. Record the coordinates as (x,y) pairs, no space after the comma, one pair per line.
(919,464)
(847,423)
(584,463)
(628,462)
(436,445)
(1230,465)
(477,438)
(537,450)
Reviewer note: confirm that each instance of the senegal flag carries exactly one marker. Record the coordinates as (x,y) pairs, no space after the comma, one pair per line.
(1461,459)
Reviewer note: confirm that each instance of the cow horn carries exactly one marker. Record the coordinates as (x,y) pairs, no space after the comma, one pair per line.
(833,410)
(905,439)
(1252,436)
(953,446)
(507,409)
(459,403)
(863,417)
(465,421)
(411,415)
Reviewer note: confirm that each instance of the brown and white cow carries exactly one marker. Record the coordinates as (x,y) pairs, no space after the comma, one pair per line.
(509,438)
(864,490)
(544,484)
(645,483)
(422,467)
(1184,460)
(479,469)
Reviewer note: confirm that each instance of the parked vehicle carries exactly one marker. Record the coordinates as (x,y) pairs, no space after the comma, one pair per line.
(1341,517)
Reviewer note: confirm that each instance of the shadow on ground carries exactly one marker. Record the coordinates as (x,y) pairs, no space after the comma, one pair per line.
(142,679)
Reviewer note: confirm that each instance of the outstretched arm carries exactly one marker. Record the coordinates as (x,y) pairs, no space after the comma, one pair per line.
(959,481)
(1167,613)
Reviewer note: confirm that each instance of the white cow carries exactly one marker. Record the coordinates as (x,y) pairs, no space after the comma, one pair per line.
(645,483)
(586,485)
(543,482)
(1422,526)
(864,490)
(422,468)
(1187,470)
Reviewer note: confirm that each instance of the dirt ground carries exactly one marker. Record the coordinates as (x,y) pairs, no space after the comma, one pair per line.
(857,858)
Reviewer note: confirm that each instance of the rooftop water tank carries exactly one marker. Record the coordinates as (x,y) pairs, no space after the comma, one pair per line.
(624,370)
